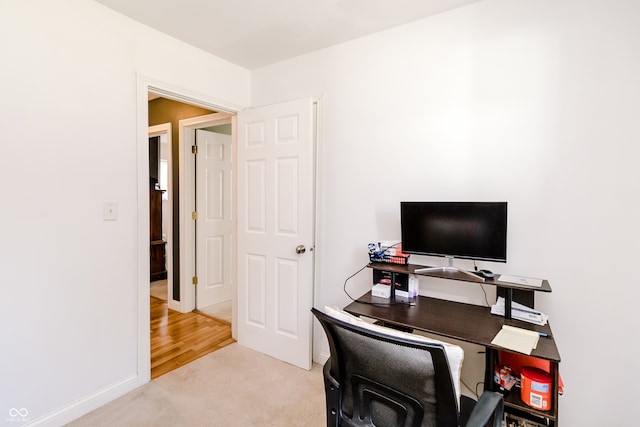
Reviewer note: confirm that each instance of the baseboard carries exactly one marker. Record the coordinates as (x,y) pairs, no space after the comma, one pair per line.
(84,406)
(322,357)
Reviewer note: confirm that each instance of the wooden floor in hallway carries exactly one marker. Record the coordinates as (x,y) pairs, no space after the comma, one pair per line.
(179,338)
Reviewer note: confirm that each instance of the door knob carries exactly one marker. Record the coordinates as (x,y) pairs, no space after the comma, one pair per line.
(300,249)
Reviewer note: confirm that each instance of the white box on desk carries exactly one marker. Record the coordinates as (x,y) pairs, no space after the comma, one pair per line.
(381,291)
(406,287)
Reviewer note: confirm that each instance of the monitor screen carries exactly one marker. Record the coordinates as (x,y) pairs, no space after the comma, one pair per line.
(471,230)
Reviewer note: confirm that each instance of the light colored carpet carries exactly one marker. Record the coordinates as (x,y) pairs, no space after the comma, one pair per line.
(233,386)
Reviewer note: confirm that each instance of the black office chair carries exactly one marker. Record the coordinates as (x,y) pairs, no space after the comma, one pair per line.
(375,379)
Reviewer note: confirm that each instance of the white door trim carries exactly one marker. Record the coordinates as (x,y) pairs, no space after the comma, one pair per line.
(144,85)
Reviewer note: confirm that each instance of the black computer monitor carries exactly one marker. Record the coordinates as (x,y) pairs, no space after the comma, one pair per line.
(468,230)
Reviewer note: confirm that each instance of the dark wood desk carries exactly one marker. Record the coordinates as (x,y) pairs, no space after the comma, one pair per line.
(468,323)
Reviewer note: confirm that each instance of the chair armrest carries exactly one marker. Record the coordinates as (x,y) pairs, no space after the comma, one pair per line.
(490,405)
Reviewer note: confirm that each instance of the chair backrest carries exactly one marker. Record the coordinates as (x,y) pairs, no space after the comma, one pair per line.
(387,379)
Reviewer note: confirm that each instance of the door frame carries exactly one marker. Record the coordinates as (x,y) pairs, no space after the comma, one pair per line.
(144,86)
(157,130)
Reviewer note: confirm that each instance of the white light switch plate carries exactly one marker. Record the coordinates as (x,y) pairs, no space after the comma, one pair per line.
(110,211)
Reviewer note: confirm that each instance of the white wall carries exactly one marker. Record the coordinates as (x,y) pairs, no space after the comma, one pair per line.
(535,103)
(68,317)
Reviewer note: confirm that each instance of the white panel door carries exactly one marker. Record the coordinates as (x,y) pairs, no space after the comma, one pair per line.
(276,179)
(214,227)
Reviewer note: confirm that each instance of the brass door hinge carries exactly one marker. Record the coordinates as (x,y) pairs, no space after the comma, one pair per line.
(194,280)
(194,149)
(194,215)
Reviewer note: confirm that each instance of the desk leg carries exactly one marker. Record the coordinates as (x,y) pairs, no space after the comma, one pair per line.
(508,299)
(490,361)
(392,294)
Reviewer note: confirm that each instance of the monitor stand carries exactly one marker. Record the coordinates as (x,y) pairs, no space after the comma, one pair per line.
(449,269)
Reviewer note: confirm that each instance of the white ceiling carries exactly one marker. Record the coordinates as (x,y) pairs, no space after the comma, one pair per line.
(254,33)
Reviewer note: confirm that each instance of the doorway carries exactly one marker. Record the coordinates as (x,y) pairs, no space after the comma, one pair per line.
(214,194)
(176,183)
(147,87)
(206,147)
(169,112)
(173,183)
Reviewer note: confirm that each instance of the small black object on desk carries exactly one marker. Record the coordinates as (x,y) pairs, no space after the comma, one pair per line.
(486,274)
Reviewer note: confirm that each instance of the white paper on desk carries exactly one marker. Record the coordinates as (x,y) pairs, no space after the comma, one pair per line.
(516,339)
(519,280)
(520,312)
